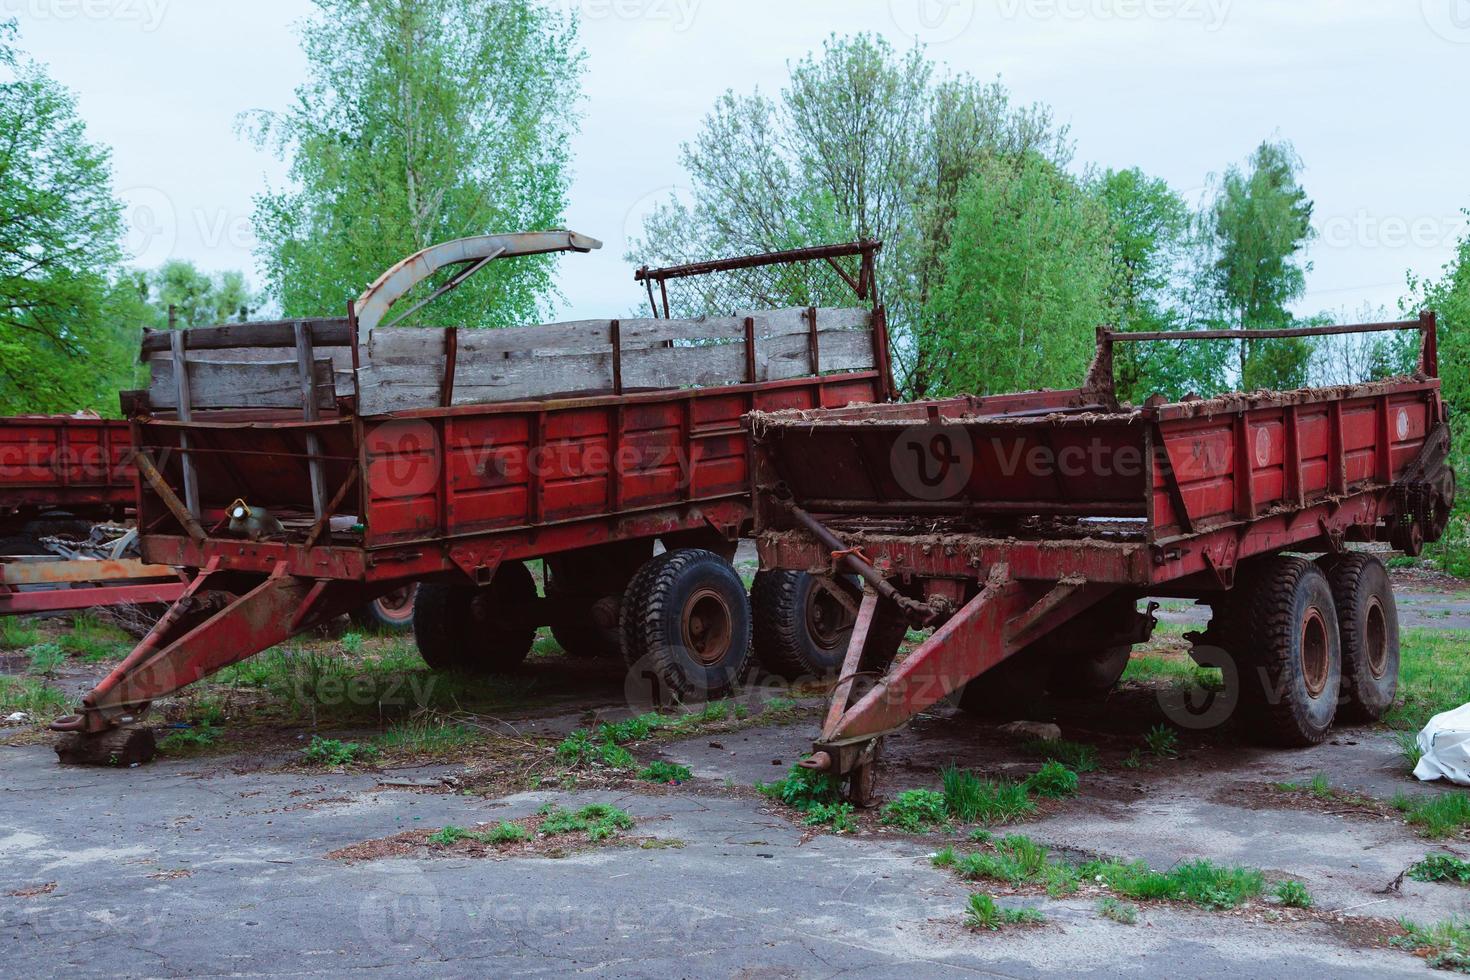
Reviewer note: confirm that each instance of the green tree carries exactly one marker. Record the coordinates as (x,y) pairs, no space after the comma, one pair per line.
(1262,219)
(863,142)
(1027,280)
(1154,242)
(1449,297)
(198,298)
(60,238)
(421,121)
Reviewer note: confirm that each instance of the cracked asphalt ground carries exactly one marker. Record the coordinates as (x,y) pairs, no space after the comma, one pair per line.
(219,864)
(201,868)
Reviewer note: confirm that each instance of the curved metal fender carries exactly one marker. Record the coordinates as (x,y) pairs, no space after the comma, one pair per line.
(374,304)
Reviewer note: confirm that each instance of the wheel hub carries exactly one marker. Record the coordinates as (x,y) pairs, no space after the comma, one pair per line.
(708,627)
(1375,639)
(1316,666)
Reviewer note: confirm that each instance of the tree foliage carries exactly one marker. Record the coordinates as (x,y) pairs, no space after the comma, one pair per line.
(1262,219)
(1027,279)
(61,342)
(421,121)
(197,298)
(863,142)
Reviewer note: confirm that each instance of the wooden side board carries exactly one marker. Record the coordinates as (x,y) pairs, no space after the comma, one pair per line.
(405,368)
(409,368)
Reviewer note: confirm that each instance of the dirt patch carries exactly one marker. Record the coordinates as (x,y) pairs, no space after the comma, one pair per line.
(34,892)
(1270,796)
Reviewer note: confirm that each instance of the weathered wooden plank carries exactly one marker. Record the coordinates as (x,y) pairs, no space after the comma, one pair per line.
(682,367)
(839,350)
(275,333)
(384,388)
(229,384)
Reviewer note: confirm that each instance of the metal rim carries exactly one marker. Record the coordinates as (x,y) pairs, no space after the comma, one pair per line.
(827,620)
(1316,662)
(397,606)
(708,626)
(1375,638)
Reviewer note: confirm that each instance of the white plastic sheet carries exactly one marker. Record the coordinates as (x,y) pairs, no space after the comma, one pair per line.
(1445,744)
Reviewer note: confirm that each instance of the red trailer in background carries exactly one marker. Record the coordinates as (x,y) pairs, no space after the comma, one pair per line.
(59,476)
(64,467)
(1024,529)
(304,468)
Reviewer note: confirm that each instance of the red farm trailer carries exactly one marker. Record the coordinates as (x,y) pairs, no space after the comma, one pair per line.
(1024,529)
(59,475)
(304,468)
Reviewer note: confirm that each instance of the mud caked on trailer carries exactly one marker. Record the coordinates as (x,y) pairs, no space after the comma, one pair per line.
(1024,529)
(303,468)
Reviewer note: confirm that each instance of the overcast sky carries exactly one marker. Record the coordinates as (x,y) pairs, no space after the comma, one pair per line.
(1370,91)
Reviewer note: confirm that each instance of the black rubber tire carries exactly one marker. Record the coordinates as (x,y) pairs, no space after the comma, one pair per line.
(1295,645)
(469,630)
(783,605)
(656,636)
(1091,674)
(386,615)
(1011,690)
(578,633)
(1368,619)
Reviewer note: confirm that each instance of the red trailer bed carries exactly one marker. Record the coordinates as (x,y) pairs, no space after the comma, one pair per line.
(306,467)
(1024,528)
(75,464)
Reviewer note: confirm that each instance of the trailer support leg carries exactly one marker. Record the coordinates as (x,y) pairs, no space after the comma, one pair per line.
(190,643)
(1001,620)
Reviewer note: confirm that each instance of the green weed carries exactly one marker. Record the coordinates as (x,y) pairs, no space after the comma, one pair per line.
(916,810)
(1444,945)
(17,633)
(983,913)
(30,696)
(1077,756)
(425,736)
(665,772)
(802,788)
(1293,894)
(1439,815)
(45,658)
(331,752)
(184,740)
(1053,781)
(598,821)
(1123,913)
(1441,867)
(1162,741)
(1201,883)
(504,832)
(835,816)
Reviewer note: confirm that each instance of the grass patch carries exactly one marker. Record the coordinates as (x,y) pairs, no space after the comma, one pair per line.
(1440,815)
(1123,913)
(91,641)
(331,752)
(1019,860)
(971,799)
(1053,781)
(1162,741)
(17,633)
(836,817)
(1444,945)
(1293,894)
(598,821)
(582,748)
(1177,670)
(802,788)
(982,913)
(425,736)
(505,832)
(30,696)
(1441,867)
(665,772)
(1077,756)
(185,740)
(916,810)
(45,658)
(1318,786)
(1432,677)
